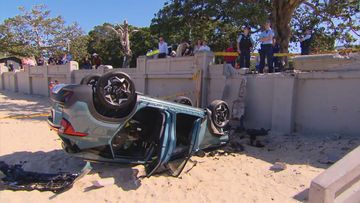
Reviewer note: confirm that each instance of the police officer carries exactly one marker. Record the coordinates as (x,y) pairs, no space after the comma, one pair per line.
(305,42)
(266,39)
(244,45)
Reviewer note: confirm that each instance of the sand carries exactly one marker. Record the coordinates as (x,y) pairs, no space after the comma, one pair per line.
(240,177)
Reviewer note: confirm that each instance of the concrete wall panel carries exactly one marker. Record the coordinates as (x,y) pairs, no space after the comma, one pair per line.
(328,106)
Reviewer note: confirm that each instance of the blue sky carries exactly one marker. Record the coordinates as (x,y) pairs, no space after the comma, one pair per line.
(89,13)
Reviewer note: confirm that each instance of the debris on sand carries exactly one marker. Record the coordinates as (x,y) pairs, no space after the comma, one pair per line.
(18,179)
(103,182)
(278,166)
(254,133)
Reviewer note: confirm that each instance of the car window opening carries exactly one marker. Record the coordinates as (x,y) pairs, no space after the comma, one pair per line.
(184,127)
(140,136)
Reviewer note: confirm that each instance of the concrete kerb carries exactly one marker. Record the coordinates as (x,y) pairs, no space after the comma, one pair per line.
(339,183)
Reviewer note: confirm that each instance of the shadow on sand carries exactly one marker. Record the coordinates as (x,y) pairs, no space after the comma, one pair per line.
(36,105)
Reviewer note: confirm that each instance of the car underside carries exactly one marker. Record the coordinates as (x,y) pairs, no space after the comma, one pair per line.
(114,123)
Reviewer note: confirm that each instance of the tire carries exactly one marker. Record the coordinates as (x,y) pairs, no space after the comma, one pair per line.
(90,80)
(184,100)
(116,91)
(220,113)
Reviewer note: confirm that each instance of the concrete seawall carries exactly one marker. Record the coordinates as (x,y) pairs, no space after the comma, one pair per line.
(321,96)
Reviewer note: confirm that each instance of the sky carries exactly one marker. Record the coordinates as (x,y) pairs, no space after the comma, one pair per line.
(89,13)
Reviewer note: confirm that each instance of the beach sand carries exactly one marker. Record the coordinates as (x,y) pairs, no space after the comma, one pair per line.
(239,177)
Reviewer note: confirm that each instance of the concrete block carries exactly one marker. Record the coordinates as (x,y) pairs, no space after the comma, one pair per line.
(339,183)
(327,62)
(283,104)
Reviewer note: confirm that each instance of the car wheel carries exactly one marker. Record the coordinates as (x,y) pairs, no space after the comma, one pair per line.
(90,80)
(116,90)
(220,113)
(183,100)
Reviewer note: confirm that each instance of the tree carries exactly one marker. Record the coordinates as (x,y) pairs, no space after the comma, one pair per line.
(281,15)
(330,21)
(79,48)
(215,21)
(123,33)
(34,31)
(106,44)
(141,42)
(219,21)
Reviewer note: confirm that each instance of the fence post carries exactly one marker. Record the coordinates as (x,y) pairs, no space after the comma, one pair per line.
(202,62)
(141,73)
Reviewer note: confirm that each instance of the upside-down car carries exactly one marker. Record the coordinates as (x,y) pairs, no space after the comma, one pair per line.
(104,119)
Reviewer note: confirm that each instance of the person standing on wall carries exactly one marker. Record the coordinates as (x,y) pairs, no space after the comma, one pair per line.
(244,45)
(266,39)
(230,59)
(163,48)
(305,43)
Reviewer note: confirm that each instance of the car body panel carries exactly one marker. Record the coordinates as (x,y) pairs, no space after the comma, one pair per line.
(98,146)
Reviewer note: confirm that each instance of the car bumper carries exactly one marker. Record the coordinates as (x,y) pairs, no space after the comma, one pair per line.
(52,126)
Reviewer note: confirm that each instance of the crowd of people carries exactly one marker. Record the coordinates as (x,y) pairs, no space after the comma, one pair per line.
(53,60)
(92,62)
(88,62)
(182,49)
(244,46)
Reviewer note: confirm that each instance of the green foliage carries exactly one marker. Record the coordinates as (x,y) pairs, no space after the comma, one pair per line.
(331,20)
(105,43)
(322,42)
(219,21)
(216,21)
(141,42)
(78,48)
(34,31)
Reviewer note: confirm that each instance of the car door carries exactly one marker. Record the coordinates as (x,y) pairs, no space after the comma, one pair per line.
(176,166)
(162,149)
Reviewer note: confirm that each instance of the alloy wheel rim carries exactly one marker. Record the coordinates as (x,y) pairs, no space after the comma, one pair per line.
(221,114)
(117,91)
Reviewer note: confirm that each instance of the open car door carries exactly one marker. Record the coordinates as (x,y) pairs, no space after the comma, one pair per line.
(177,164)
(161,149)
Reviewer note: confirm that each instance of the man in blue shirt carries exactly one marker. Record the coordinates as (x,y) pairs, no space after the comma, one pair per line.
(163,48)
(266,39)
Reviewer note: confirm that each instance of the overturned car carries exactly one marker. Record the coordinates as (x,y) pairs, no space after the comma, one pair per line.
(104,119)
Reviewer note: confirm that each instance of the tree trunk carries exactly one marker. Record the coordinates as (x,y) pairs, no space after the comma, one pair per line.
(281,16)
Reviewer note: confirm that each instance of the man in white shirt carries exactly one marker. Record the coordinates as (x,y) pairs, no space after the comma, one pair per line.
(163,48)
